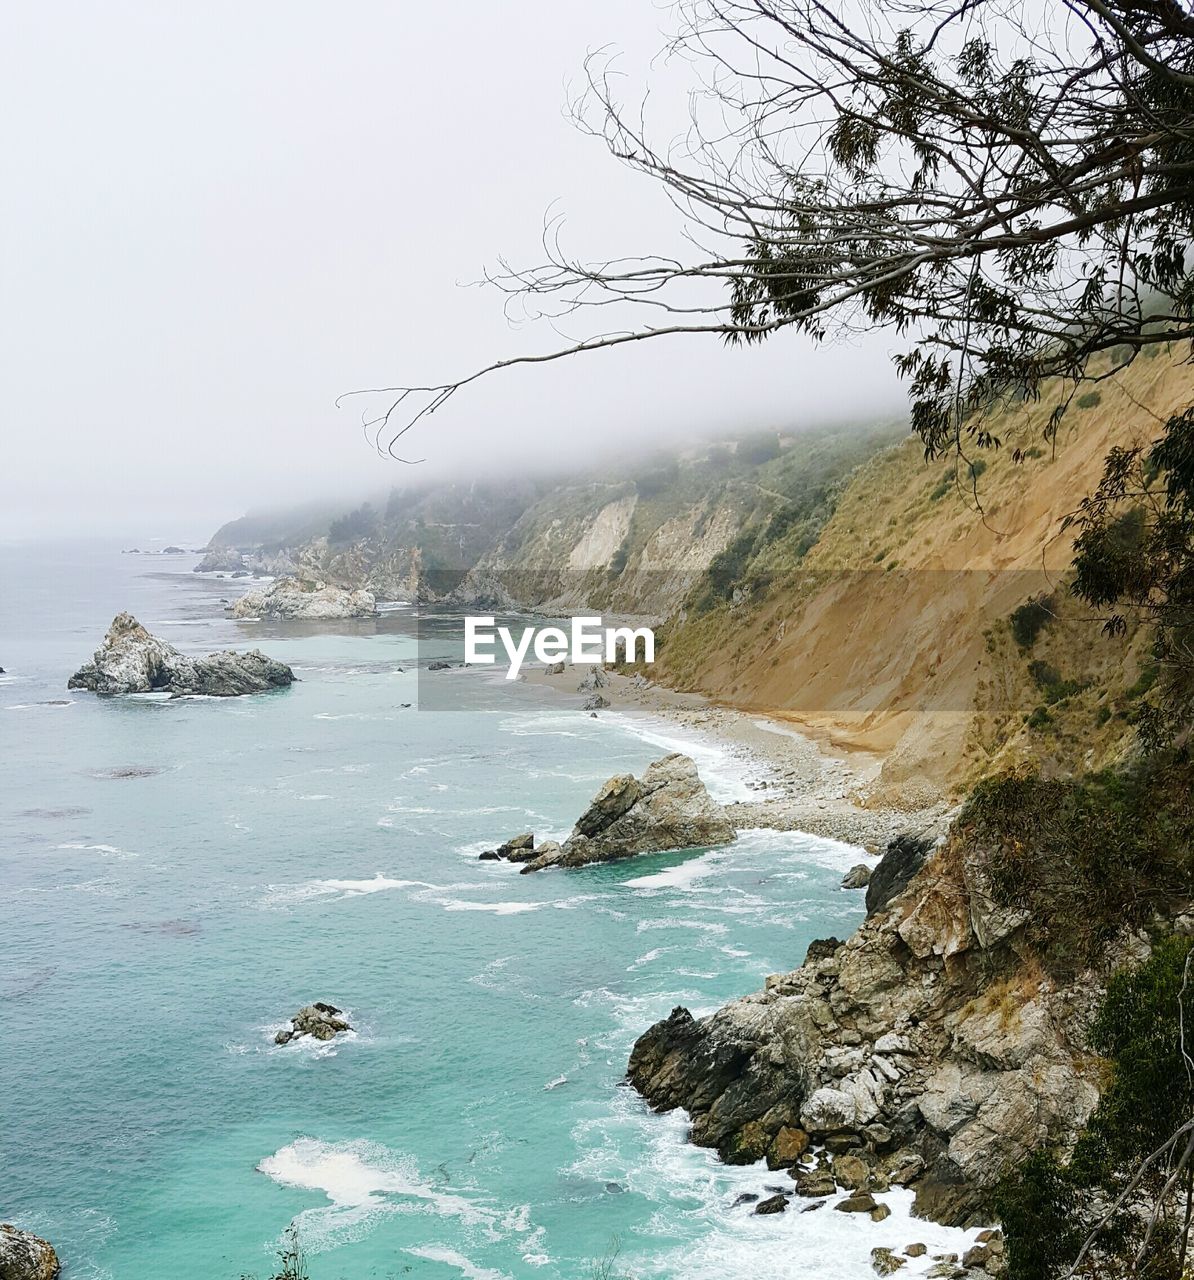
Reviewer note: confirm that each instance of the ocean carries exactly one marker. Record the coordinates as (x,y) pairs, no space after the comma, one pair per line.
(180,876)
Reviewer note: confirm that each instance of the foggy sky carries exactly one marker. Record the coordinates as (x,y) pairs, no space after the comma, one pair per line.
(218,217)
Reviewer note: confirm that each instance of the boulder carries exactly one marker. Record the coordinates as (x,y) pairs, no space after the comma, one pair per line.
(302,600)
(594,679)
(773,1204)
(850,1172)
(554,668)
(814,1183)
(857,877)
(130,660)
(24,1256)
(319,1020)
(859,1202)
(595,702)
(520,848)
(788,1145)
(668,808)
(439,666)
(548,854)
(901,860)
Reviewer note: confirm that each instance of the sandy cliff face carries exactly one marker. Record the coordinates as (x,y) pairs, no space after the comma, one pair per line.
(891,633)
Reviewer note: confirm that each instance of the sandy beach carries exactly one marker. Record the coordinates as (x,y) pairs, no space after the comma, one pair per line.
(802,784)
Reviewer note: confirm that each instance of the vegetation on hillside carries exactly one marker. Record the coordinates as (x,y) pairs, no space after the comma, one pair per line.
(1087,857)
(1122,1204)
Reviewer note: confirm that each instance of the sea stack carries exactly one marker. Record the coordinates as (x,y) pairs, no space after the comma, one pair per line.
(130,660)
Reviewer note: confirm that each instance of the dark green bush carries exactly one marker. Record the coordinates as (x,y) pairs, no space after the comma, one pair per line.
(1031,618)
(1086,857)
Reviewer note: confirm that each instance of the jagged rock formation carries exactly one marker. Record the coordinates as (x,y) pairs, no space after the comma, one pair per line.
(668,808)
(929,1045)
(132,661)
(319,1020)
(903,858)
(24,1256)
(293,598)
(858,877)
(220,560)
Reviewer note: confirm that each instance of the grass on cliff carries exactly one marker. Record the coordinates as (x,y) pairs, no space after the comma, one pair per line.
(1086,856)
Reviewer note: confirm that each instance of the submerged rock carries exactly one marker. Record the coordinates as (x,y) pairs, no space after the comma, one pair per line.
(24,1256)
(295,599)
(320,1021)
(668,808)
(884,1262)
(132,661)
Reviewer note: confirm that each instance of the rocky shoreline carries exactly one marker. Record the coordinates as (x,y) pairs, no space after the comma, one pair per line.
(926,1051)
(801,783)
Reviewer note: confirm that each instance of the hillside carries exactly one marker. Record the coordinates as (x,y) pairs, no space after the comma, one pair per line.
(776,564)
(933,559)
(630,538)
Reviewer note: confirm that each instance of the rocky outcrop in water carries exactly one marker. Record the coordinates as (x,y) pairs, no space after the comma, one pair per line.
(130,660)
(24,1256)
(668,808)
(299,599)
(926,1047)
(220,560)
(319,1020)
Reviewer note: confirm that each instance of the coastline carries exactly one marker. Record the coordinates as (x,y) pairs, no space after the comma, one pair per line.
(796,782)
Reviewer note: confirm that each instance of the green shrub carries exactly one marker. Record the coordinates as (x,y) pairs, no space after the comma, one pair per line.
(1089,399)
(1085,857)
(1036,1207)
(1143,682)
(1030,619)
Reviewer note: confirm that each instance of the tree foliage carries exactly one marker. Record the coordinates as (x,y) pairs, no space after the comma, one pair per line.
(1008,185)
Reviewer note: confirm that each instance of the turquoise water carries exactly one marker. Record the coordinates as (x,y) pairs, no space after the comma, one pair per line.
(320,843)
